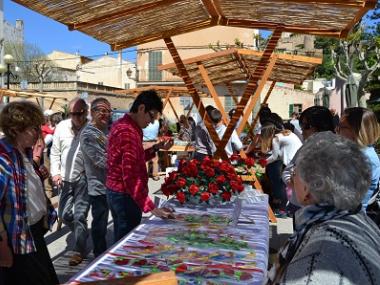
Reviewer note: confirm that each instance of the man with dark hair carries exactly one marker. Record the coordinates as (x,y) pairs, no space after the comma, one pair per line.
(204,146)
(316,119)
(127,177)
(313,120)
(93,141)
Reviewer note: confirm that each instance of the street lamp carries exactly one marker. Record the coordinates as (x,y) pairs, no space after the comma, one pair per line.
(8,60)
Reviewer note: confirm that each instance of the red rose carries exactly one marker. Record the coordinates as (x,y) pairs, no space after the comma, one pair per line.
(232,176)
(205,196)
(193,189)
(181,197)
(236,186)
(226,196)
(221,179)
(225,166)
(249,161)
(263,162)
(168,189)
(209,172)
(181,182)
(213,188)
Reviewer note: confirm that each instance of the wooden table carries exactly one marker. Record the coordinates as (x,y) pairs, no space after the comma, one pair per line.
(175,148)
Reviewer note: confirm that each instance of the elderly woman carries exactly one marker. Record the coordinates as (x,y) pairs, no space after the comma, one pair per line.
(334,242)
(360,125)
(25,212)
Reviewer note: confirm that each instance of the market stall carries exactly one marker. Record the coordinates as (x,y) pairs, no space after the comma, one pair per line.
(228,243)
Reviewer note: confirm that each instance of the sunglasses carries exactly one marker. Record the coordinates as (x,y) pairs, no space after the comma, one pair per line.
(77,114)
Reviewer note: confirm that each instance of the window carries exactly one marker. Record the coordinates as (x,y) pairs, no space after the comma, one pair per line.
(229,103)
(127,85)
(100,83)
(155,59)
(295,108)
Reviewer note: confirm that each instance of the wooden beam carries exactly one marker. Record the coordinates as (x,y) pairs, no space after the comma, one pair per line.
(194,93)
(213,92)
(273,84)
(167,98)
(200,58)
(189,112)
(252,84)
(140,8)
(255,98)
(52,103)
(338,3)
(175,112)
(38,102)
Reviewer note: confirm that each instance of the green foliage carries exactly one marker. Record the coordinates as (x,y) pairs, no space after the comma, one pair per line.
(326,69)
(173,128)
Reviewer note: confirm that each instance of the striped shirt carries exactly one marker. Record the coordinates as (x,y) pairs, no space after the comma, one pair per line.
(13,200)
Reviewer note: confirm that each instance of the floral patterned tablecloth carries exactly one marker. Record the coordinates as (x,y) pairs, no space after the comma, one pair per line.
(203,246)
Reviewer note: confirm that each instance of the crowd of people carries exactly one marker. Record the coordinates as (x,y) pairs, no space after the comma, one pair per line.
(323,173)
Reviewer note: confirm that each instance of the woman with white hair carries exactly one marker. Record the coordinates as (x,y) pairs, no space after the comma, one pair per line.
(334,241)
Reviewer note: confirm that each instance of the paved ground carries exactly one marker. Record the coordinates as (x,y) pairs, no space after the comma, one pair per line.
(60,242)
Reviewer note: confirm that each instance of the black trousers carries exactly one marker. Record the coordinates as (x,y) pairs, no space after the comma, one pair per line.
(34,268)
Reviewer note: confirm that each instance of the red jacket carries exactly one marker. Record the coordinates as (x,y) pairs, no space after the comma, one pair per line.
(126,168)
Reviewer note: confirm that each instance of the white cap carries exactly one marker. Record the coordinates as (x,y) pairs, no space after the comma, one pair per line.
(48,112)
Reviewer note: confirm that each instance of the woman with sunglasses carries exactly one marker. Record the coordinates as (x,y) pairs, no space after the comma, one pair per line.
(360,125)
(25,212)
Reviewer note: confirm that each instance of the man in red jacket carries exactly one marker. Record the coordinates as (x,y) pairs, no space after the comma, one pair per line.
(127,177)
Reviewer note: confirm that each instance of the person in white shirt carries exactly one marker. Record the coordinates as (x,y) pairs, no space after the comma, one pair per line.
(234,143)
(67,170)
(282,145)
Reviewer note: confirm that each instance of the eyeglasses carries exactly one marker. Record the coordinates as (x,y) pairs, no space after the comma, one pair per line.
(152,115)
(102,111)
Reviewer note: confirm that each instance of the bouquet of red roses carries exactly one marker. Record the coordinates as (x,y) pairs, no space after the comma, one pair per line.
(206,181)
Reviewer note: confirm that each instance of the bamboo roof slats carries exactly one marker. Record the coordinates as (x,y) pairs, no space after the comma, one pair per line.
(124,23)
(224,67)
(162,91)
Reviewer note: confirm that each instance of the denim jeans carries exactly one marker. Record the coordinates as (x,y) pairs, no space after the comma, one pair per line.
(73,210)
(273,171)
(99,211)
(125,212)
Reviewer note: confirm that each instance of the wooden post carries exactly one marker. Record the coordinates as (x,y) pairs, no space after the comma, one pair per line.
(251,87)
(194,93)
(52,103)
(213,92)
(256,96)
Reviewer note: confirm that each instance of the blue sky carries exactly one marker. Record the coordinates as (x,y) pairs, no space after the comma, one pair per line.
(50,35)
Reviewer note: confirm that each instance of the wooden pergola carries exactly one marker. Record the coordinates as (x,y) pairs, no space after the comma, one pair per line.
(224,67)
(37,95)
(126,23)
